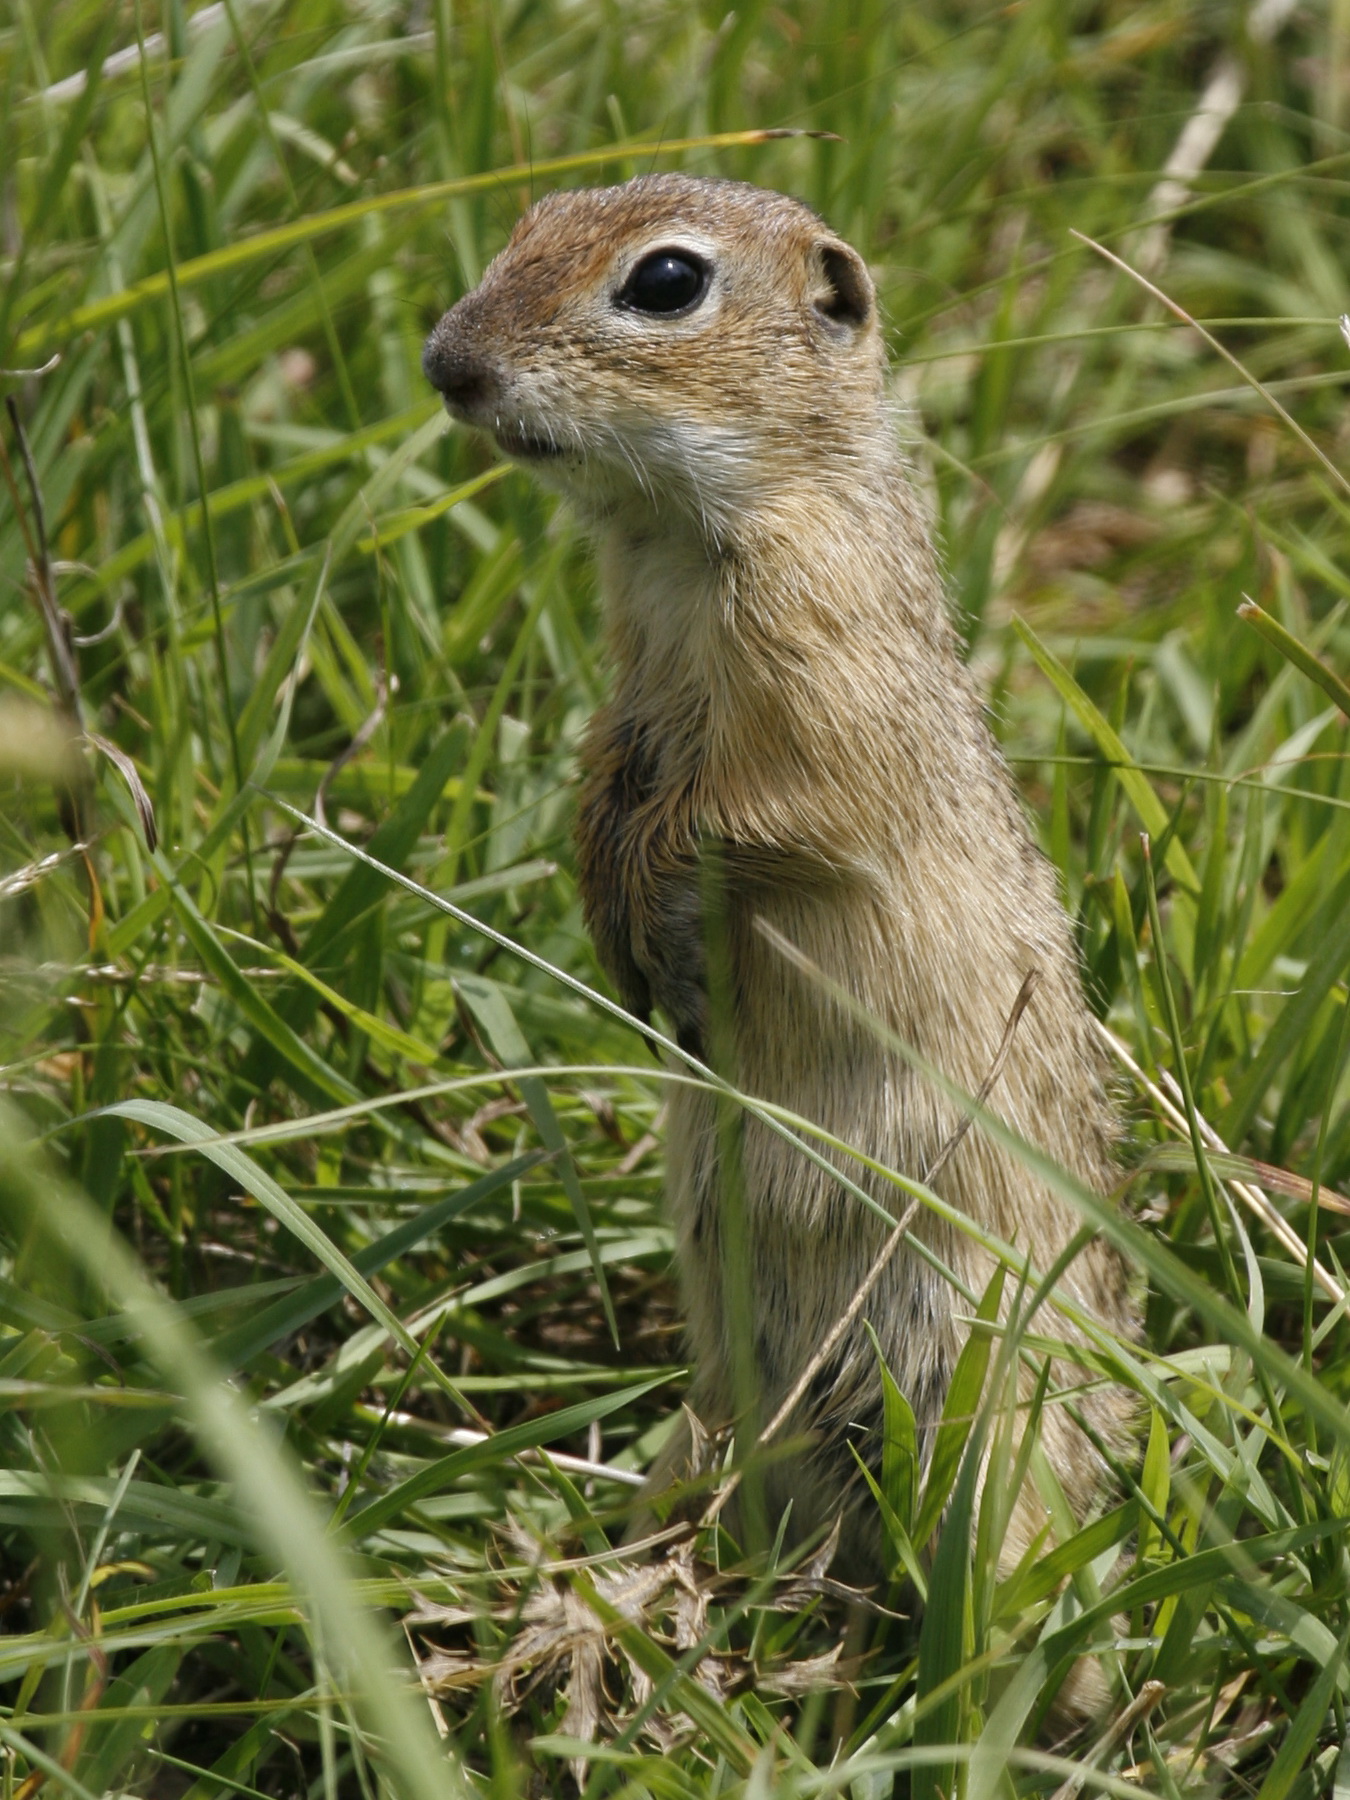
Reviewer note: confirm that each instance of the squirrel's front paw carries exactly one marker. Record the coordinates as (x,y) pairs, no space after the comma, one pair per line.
(670,952)
(685,1004)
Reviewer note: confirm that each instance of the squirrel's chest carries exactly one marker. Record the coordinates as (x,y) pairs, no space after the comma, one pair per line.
(666,612)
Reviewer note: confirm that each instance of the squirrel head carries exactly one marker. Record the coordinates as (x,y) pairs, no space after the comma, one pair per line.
(673,340)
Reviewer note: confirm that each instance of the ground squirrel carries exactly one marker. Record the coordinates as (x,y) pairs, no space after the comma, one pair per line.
(698,366)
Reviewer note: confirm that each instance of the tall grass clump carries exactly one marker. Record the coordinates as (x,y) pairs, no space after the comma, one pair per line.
(336,1321)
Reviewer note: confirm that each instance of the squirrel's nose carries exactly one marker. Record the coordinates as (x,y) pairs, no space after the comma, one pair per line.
(456,369)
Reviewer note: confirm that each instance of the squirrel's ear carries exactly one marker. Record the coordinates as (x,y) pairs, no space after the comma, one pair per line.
(845,295)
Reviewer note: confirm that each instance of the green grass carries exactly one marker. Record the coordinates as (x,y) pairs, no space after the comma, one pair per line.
(270,1113)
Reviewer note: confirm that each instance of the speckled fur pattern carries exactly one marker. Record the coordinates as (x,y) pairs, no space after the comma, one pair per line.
(787,685)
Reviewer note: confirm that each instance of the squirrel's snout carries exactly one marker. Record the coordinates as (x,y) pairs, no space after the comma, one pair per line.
(457,369)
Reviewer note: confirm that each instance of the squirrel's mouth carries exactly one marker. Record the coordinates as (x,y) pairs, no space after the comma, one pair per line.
(523,444)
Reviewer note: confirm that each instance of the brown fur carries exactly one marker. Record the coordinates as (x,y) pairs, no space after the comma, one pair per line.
(787,685)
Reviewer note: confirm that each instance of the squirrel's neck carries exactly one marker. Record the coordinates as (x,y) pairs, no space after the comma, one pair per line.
(831,556)
(769,669)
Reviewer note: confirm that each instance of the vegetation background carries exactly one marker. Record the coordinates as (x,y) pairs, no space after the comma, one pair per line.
(307,1182)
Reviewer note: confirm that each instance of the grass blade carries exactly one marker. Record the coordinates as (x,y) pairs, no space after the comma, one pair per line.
(363,1521)
(1299,654)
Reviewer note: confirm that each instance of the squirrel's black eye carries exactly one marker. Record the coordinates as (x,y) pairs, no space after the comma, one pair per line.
(667,281)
